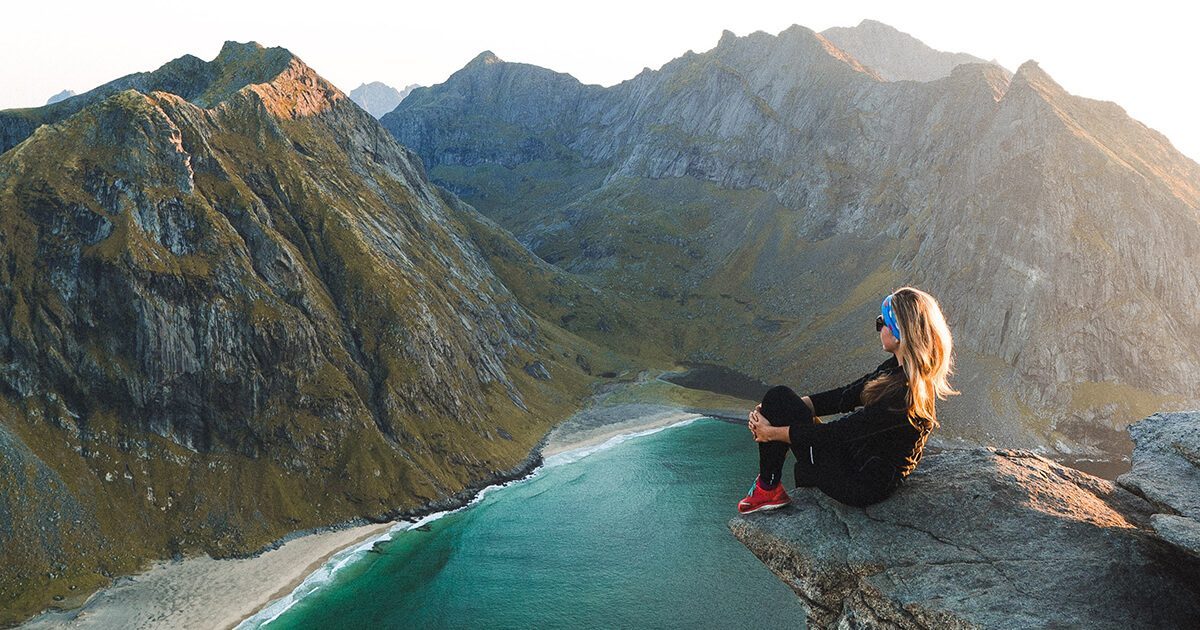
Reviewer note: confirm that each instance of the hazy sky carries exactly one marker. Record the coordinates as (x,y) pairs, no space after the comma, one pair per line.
(1141,55)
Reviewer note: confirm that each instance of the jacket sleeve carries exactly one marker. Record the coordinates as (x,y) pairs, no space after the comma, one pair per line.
(860,424)
(841,399)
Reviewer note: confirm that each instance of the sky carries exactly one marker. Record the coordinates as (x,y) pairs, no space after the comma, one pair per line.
(1139,55)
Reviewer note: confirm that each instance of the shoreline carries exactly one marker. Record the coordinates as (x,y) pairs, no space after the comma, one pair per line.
(185,593)
(374,534)
(567,437)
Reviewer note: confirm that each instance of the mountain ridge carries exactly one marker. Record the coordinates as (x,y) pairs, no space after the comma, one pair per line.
(237,65)
(897,55)
(727,183)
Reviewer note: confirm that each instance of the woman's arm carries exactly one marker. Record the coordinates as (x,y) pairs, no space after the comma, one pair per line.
(842,399)
(839,399)
(859,424)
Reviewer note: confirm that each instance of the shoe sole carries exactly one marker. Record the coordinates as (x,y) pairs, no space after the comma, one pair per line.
(764,507)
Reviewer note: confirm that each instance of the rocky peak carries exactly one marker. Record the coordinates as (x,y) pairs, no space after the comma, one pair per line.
(232,49)
(485,58)
(297,91)
(61,96)
(895,55)
(867,24)
(288,86)
(1030,75)
(379,98)
(490,77)
(993,78)
(794,45)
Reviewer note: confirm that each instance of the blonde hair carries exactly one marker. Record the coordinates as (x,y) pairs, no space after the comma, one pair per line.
(926,350)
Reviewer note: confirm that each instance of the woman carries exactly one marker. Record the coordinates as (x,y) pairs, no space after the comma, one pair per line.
(862,458)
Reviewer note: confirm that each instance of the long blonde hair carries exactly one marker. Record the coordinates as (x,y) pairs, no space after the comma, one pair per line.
(926,350)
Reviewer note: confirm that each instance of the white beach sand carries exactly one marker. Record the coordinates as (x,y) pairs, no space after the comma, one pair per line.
(202,592)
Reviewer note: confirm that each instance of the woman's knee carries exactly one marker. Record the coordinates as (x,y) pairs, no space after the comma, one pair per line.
(781,406)
(779,397)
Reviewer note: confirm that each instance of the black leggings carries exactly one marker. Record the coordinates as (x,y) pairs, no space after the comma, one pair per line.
(825,467)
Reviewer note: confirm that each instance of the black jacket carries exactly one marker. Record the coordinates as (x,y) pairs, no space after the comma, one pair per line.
(878,437)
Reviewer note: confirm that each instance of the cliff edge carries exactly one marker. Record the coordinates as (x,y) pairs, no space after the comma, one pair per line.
(991,538)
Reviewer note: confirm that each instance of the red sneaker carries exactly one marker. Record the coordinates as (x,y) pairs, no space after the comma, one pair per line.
(760,499)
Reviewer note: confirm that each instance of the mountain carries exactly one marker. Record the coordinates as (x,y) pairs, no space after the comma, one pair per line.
(379,98)
(895,55)
(61,96)
(764,195)
(232,306)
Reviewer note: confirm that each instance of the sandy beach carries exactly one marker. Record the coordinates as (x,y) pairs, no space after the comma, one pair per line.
(593,427)
(201,592)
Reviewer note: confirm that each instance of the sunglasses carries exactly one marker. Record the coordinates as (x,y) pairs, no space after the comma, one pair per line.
(879,323)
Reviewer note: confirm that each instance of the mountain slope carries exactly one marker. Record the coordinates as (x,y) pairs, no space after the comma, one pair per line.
(765,194)
(231,315)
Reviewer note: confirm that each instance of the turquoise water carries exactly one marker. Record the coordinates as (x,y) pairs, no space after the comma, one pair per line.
(633,536)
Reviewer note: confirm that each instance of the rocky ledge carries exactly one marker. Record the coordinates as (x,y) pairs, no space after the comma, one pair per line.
(991,538)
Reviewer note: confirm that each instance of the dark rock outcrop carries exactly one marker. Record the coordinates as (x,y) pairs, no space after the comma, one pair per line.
(982,538)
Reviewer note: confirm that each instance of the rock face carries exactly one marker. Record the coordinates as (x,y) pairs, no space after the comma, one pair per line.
(239,309)
(1166,472)
(763,196)
(379,98)
(980,538)
(895,55)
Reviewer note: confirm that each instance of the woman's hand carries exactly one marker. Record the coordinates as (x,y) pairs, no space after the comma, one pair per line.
(758,425)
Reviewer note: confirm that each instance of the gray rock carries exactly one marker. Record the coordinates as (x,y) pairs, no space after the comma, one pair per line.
(979,538)
(1166,471)
(1179,531)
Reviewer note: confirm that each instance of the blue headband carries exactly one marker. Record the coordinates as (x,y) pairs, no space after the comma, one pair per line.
(889,317)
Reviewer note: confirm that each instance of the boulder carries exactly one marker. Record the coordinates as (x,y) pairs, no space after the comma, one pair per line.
(1166,472)
(981,538)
